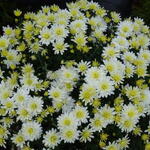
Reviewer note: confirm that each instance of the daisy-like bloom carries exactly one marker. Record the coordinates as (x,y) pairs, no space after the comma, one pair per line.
(130,111)
(141,71)
(145,96)
(145,54)
(28,26)
(132,92)
(4,42)
(80,39)
(69,135)
(112,146)
(123,142)
(67,120)
(18,139)
(129,57)
(88,93)
(81,114)
(46,36)
(118,77)
(51,139)
(105,87)
(20,96)
(86,135)
(125,28)
(9,105)
(98,22)
(127,124)
(94,74)
(59,46)
(78,26)
(83,66)
(23,113)
(35,47)
(29,81)
(115,17)
(68,74)
(5,93)
(120,42)
(97,123)
(129,70)
(143,40)
(107,113)
(110,52)
(110,65)
(56,93)
(59,31)
(31,130)
(34,105)
(8,31)
(2,142)
(12,58)
(3,132)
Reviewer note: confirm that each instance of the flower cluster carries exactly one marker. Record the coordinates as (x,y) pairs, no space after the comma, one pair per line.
(75,77)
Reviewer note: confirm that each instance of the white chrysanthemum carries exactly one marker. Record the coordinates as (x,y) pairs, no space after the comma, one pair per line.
(117,77)
(59,31)
(8,31)
(21,96)
(126,28)
(129,70)
(145,96)
(97,123)
(81,114)
(4,42)
(127,124)
(29,81)
(34,105)
(112,146)
(67,120)
(3,132)
(98,22)
(68,74)
(23,113)
(69,135)
(143,40)
(78,26)
(86,135)
(83,66)
(9,105)
(57,93)
(123,142)
(94,74)
(18,139)
(129,57)
(59,46)
(31,130)
(5,93)
(111,65)
(80,39)
(145,54)
(120,42)
(132,92)
(51,139)
(107,113)
(69,104)
(12,58)
(35,47)
(46,36)
(105,87)
(130,112)
(88,93)
(110,52)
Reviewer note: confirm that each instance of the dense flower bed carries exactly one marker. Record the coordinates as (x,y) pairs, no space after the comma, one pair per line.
(77,77)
